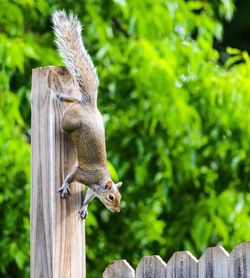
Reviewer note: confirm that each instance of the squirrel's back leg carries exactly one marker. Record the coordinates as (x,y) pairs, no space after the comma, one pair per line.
(72,118)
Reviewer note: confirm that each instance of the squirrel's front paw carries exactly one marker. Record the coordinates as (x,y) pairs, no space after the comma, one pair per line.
(83,212)
(64,190)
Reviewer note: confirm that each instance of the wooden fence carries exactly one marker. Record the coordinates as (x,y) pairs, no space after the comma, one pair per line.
(216,262)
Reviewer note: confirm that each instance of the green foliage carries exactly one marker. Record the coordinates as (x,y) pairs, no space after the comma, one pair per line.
(177,126)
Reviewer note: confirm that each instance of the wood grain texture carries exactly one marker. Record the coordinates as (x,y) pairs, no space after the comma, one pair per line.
(214,263)
(151,267)
(119,269)
(57,232)
(239,261)
(182,265)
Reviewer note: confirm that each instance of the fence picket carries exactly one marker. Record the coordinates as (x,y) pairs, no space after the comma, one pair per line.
(239,261)
(151,267)
(182,265)
(119,269)
(214,263)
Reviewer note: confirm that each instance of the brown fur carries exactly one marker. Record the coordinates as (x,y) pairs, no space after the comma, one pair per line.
(82,120)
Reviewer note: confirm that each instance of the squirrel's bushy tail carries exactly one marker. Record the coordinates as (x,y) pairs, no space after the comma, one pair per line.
(67,29)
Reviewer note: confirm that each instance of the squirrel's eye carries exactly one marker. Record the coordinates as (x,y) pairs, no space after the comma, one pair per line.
(111,197)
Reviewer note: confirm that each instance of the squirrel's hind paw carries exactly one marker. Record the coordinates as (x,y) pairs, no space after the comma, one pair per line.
(64,190)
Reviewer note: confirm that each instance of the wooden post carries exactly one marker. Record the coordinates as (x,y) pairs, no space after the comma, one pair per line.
(57,231)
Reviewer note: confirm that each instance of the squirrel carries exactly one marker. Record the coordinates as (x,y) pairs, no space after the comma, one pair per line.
(82,119)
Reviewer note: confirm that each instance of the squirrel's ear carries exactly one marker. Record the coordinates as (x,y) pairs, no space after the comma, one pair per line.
(119,184)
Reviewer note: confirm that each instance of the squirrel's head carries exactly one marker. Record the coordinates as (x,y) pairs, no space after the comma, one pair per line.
(109,195)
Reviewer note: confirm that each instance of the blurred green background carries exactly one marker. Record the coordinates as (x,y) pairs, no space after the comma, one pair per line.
(175,95)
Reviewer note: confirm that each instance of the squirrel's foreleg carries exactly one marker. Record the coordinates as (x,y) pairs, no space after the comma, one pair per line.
(71,177)
(90,195)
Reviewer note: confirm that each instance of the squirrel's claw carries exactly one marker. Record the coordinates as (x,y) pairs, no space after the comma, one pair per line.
(60,97)
(64,190)
(83,212)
